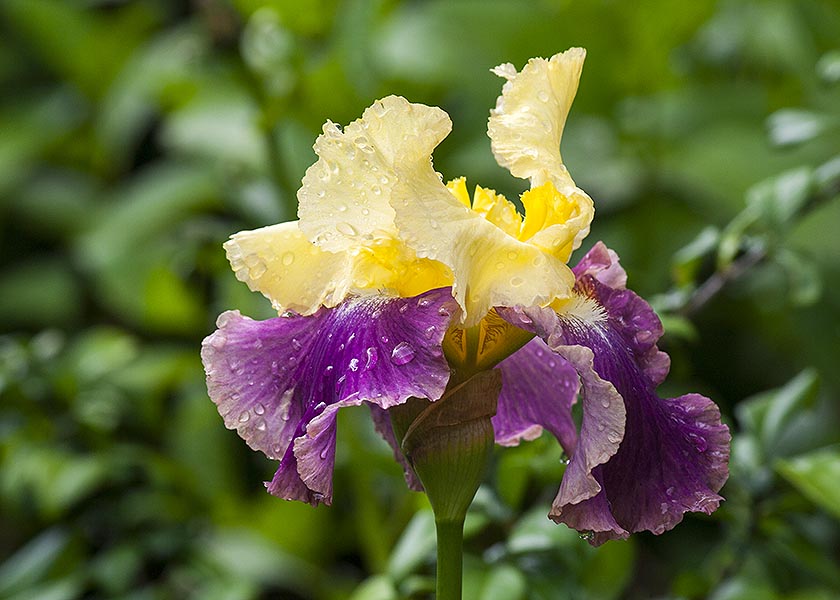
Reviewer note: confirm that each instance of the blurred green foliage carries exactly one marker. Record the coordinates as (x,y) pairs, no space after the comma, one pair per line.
(137,135)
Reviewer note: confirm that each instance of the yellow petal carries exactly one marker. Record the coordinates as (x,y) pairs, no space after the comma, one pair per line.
(554,221)
(491,268)
(497,209)
(279,262)
(527,124)
(345,197)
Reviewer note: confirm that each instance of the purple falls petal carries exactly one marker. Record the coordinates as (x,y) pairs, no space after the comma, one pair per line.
(673,456)
(280,382)
(538,391)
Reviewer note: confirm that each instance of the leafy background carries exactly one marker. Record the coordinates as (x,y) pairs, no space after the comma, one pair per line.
(138,135)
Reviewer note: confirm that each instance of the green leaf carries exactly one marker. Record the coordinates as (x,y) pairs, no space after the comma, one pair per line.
(795,126)
(377,587)
(779,199)
(816,476)
(689,258)
(32,562)
(416,545)
(505,582)
(828,66)
(768,414)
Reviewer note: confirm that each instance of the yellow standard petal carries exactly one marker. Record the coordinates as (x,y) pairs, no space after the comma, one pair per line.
(526,126)
(490,266)
(344,201)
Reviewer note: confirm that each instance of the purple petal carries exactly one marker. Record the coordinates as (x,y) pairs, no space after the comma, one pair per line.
(538,391)
(280,382)
(674,452)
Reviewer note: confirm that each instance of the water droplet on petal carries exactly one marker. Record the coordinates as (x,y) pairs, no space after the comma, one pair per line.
(324,453)
(261,425)
(516,281)
(423,302)
(605,402)
(288,258)
(296,345)
(257,270)
(600,427)
(587,535)
(670,491)
(430,331)
(542,95)
(259,409)
(354,364)
(402,353)
(372,357)
(244,416)
(319,408)
(346,229)
(512,255)
(500,265)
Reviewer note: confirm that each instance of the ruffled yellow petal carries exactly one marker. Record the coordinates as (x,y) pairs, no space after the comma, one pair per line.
(490,267)
(293,273)
(554,221)
(527,124)
(279,262)
(345,197)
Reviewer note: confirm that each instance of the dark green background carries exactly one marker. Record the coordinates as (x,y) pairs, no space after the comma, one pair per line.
(136,136)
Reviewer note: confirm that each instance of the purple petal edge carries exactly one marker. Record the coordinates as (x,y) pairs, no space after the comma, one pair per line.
(673,454)
(280,382)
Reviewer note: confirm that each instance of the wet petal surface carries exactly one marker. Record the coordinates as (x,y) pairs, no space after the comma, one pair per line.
(279,382)
(673,453)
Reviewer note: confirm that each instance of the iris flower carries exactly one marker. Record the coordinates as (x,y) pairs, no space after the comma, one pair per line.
(393,285)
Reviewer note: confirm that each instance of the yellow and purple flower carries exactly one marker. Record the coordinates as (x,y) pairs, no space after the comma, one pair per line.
(393,285)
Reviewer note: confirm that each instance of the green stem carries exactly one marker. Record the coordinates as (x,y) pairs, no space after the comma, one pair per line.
(450,538)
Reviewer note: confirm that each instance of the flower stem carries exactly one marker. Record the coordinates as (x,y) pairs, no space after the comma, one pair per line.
(450,538)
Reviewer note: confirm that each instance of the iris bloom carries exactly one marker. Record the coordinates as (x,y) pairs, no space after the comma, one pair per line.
(392,285)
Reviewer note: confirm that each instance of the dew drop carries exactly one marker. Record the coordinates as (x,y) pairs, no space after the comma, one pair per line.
(256,345)
(342,207)
(423,302)
(516,281)
(663,507)
(377,190)
(288,258)
(346,229)
(259,409)
(564,458)
(261,425)
(443,311)
(605,402)
(384,339)
(600,427)
(670,491)
(244,416)
(372,357)
(257,270)
(433,224)
(587,536)
(296,345)
(324,453)
(430,331)
(319,408)
(218,340)
(402,353)
(365,211)
(500,265)
(354,364)
(512,255)
(403,307)
(328,369)
(542,95)
(613,437)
